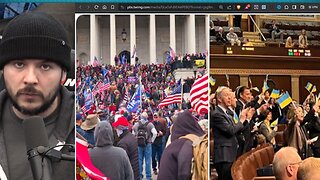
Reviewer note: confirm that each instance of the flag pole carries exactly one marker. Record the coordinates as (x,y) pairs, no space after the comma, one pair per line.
(140,90)
(181,94)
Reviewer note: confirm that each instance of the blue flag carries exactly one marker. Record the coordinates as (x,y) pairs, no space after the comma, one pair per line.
(135,101)
(104,71)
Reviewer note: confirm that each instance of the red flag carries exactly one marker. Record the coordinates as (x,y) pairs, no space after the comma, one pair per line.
(199,95)
(84,160)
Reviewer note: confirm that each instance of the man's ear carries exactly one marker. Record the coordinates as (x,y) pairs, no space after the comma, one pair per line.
(290,170)
(63,76)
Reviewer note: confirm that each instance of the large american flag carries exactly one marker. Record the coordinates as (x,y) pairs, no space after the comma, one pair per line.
(199,95)
(171,99)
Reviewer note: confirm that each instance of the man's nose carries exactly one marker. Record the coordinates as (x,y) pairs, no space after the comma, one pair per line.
(30,76)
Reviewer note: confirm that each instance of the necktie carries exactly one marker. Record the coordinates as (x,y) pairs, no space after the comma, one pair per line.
(233,116)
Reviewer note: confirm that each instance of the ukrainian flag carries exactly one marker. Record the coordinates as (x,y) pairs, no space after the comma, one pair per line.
(265,86)
(314,89)
(284,100)
(274,123)
(308,86)
(235,118)
(212,81)
(275,94)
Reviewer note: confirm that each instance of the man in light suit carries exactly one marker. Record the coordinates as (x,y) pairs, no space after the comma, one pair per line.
(225,127)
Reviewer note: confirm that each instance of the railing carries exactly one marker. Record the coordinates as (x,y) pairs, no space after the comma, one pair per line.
(255,24)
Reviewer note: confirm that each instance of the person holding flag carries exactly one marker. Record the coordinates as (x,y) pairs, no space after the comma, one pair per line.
(296,134)
(265,128)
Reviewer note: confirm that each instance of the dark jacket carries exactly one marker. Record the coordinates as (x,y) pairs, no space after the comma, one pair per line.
(313,126)
(221,38)
(64,132)
(128,142)
(225,141)
(177,157)
(112,161)
(159,127)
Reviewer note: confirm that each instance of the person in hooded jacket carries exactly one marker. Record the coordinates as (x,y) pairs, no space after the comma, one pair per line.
(112,161)
(177,157)
(128,142)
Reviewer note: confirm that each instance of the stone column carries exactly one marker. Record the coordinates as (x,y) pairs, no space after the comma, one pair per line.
(113,39)
(191,34)
(173,32)
(94,40)
(133,44)
(295,87)
(152,39)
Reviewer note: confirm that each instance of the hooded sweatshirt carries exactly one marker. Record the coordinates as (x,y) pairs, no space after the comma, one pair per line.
(112,161)
(59,127)
(177,157)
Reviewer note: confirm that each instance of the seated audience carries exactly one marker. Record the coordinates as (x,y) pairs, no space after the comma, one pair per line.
(275,31)
(289,43)
(233,37)
(221,37)
(303,39)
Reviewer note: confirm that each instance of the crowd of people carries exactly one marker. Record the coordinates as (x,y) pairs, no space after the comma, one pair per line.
(240,122)
(232,38)
(119,137)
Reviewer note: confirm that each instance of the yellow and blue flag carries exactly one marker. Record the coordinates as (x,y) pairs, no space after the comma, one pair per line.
(275,93)
(235,118)
(212,81)
(309,86)
(265,86)
(284,100)
(274,123)
(314,89)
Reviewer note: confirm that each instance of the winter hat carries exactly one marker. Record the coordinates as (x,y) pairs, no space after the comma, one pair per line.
(35,35)
(121,123)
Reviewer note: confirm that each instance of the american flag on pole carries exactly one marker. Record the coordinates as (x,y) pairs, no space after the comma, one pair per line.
(199,95)
(134,51)
(83,159)
(85,108)
(95,62)
(172,53)
(171,99)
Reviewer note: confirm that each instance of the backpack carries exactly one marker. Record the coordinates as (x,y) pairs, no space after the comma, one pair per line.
(199,167)
(142,134)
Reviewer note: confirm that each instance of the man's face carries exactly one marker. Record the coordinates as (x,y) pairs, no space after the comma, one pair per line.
(32,84)
(233,100)
(246,95)
(225,98)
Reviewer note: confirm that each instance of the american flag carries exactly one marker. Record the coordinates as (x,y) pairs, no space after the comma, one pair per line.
(172,53)
(104,87)
(174,98)
(96,88)
(95,62)
(199,95)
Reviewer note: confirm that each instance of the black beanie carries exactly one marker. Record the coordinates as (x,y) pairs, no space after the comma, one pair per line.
(35,35)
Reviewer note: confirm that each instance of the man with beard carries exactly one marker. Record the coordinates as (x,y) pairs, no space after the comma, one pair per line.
(35,58)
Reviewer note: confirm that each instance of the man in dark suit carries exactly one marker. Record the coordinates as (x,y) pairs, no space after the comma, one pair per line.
(225,128)
(221,37)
